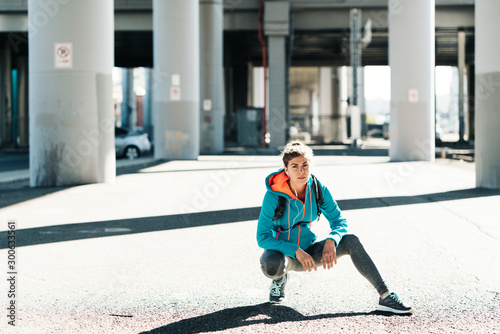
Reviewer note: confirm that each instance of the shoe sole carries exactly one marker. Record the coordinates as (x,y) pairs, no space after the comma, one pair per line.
(277,301)
(388,309)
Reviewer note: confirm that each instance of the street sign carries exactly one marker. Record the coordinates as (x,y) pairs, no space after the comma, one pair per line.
(63,55)
(175,93)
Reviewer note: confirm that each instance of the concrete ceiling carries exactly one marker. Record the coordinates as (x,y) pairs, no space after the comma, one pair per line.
(147,5)
(321,31)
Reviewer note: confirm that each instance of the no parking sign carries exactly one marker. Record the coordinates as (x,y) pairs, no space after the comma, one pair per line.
(63,56)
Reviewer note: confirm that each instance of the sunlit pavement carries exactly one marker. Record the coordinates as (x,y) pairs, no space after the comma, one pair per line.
(170,248)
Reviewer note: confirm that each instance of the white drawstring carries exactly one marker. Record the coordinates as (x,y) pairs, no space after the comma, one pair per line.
(296,206)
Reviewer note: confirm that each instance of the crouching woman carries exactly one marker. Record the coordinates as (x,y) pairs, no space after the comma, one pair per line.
(287,239)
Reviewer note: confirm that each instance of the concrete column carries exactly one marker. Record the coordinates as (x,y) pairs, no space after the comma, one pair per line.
(211,76)
(23,98)
(5,95)
(361,101)
(461,85)
(148,112)
(258,87)
(411,58)
(276,26)
(129,102)
(176,96)
(487,112)
(71,106)
(471,97)
(278,115)
(332,119)
(354,109)
(326,98)
(340,105)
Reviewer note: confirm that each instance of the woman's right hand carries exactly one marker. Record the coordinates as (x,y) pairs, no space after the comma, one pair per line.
(305,259)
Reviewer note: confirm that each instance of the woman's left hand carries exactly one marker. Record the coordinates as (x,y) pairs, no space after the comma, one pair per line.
(329,254)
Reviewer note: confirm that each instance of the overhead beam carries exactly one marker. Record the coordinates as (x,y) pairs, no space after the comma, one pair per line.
(314,19)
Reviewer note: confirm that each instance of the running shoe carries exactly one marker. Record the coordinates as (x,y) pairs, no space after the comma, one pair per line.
(392,303)
(277,290)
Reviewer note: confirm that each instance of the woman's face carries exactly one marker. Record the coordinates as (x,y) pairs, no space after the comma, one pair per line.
(298,170)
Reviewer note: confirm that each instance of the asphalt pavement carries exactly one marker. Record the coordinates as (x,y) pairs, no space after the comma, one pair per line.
(170,248)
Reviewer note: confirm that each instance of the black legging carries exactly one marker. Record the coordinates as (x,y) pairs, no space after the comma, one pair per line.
(273,262)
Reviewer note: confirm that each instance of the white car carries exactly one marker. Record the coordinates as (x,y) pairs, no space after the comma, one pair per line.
(131,144)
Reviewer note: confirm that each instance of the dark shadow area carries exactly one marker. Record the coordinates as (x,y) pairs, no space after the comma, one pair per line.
(20,191)
(265,313)
(78,231)
(376,202)
(328,149)
(137,167)
(194,170)
(14,160)
(271,167)
(355,152)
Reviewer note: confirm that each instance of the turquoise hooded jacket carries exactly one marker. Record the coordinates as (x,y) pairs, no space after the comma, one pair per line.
(293,229)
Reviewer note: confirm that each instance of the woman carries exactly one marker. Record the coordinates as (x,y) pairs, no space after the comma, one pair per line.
(290,245)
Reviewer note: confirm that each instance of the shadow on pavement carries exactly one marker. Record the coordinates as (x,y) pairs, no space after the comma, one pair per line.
(19,191)
(265,313)
(376,202)
(353,152)
(78,231)
(329,149)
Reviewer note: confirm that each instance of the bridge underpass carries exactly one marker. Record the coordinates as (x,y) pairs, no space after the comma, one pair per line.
(320,39)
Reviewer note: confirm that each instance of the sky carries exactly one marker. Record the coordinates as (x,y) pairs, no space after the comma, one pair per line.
(378,81)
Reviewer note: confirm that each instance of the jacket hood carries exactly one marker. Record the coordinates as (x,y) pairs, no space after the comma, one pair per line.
(277,182)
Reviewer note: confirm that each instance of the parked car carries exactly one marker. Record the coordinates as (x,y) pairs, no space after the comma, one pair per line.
(131,144)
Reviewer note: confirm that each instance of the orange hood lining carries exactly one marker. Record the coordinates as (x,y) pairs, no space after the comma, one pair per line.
(278,182)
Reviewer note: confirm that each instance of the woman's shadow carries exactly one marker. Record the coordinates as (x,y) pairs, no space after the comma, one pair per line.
(265,313)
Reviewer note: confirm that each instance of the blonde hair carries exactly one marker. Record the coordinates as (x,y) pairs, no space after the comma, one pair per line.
(293,149)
